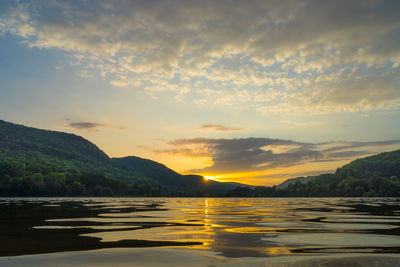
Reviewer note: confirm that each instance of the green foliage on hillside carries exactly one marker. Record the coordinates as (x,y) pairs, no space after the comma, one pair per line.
(375,176)
(61,151)
(33,179)
(66,150)
(167,177)
(19,179)
(36,162)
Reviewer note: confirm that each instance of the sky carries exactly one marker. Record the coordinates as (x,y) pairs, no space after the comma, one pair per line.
(245,91)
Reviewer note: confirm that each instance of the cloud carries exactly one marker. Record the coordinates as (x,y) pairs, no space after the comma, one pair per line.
(220,128)
(260,154)
(330,147)
(255,179)
(300,56)
(85,125)
(246,154)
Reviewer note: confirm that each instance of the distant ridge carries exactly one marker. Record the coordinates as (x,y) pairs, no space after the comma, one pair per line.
(69,153)
(302,180)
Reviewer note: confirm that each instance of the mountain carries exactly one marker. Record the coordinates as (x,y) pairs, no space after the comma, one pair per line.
(165,176)
(75,166)
(374,176)
(384,164)
(21,141)
(302,180)
(35,162)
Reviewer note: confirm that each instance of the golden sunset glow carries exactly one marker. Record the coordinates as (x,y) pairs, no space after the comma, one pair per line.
(258,96)
(199,133)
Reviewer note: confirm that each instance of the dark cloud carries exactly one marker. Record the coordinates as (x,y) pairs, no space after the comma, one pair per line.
(85,125)
(256,154)
(220,128)
(244,154)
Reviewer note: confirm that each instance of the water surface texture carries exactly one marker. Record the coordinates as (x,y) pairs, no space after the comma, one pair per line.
(259,231)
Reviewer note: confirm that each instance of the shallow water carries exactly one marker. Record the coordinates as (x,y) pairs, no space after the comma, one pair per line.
(208,231)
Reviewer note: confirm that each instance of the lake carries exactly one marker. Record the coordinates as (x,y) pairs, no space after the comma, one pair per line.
(200,232)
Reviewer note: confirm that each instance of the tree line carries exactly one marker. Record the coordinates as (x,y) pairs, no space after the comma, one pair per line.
(376,176)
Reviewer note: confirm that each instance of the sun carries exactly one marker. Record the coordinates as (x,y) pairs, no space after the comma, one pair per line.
(208,177)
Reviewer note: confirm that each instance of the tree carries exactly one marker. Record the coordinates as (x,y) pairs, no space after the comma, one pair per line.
(37,178)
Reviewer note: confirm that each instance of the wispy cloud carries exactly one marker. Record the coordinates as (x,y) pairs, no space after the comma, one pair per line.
(85,125)
(219,128)
(257,154)
(300,56)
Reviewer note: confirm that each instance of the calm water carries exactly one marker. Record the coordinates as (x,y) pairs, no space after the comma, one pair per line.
(200,232)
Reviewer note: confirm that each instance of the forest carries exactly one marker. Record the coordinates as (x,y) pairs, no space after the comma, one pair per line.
(375,176)
(367,177)
(35,162)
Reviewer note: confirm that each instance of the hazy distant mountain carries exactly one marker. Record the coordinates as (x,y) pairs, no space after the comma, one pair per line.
(46,153)
(302,180)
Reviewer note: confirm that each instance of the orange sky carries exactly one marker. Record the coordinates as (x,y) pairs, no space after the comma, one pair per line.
(252,92)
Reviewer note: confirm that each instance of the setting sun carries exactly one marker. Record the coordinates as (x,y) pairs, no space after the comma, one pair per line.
(211,133)
(208,178)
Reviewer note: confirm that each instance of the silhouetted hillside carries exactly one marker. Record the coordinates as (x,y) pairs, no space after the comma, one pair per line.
(167,177)
(366,177)
(41,162)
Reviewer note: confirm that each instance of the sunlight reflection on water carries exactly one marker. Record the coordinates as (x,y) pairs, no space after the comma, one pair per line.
(231,228)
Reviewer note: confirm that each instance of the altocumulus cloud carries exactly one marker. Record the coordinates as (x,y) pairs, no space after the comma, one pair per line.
(256,154)
(276,56)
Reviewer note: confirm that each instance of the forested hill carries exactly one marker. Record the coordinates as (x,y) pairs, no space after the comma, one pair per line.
(372,176)
(382,165)
(165,176)
(18,140)
(35,162)
(302,180)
